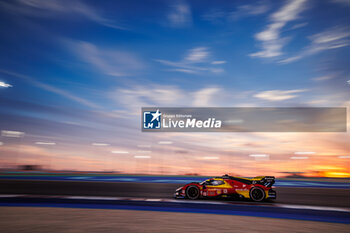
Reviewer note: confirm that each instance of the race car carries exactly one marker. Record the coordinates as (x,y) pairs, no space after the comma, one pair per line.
(257,189)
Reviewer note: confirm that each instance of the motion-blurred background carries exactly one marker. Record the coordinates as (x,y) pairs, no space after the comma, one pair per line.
(75,74)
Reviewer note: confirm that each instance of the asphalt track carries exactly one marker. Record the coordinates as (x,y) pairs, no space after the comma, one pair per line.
(334,215)
(329,197)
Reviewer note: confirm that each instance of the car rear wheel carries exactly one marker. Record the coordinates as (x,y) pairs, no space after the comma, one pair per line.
(192,192)
(257,194)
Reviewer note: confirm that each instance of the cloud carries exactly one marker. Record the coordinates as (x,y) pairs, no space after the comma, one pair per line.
(180,15)
(343,2)
(108,60)
(332,100)
(219,15)
(189,71)
(197,60)
(204,96)
(218,62)
(164,95)
(278,95)
(257,8)
(299,25)
(58,8)
(197,55)
(290,59)
(331,38)
(52,89)
(131,99)
(6,85)
(324,78)
(270,38)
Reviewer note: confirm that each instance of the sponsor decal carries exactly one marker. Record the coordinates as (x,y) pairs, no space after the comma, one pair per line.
(225,190)
(241,189)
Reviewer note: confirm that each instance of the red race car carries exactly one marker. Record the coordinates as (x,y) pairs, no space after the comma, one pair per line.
(257,189)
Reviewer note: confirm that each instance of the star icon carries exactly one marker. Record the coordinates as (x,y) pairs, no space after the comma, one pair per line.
(156,115)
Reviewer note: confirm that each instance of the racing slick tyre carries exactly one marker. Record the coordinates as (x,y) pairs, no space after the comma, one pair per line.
(192,192)
(257,194)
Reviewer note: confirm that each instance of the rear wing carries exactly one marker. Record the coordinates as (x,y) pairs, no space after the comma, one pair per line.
(267,181)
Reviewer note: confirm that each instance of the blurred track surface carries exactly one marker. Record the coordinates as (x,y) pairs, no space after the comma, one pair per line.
(46,219)
(334,215)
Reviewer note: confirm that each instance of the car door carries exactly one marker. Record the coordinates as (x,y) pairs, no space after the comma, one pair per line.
(216,187)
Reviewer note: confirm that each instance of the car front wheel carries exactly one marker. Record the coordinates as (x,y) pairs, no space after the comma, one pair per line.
(192,192)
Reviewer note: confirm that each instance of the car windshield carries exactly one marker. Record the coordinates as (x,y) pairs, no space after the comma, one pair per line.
(212,182)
